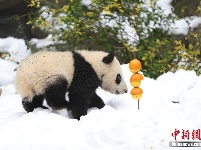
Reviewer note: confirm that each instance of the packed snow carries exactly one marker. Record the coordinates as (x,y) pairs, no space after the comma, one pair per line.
(171,102)
(117,126)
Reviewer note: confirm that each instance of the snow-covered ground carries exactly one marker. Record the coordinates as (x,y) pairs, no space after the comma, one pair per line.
(118,126)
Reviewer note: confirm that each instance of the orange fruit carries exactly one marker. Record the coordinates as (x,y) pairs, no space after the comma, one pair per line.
(135,65)
(137,96)
(136,93)
(135,79)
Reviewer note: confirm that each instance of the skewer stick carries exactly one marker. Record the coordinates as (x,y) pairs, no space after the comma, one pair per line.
(138,104)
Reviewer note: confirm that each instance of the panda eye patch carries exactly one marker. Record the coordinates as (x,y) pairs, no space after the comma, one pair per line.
(118,79)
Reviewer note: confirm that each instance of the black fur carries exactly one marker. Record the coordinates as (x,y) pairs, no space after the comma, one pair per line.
(96,101)
(37,101)
(82,91)
(118,79)
(55,93)
(108,59)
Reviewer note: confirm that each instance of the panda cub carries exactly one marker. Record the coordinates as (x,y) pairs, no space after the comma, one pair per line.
(50,75)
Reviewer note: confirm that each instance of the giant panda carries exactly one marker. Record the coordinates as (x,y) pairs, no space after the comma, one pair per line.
(50,75)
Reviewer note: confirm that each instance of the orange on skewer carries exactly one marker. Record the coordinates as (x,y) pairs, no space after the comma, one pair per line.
(135,79)
(136,93)
(135,65)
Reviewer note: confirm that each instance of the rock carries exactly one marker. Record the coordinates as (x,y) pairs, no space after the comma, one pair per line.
(189,7)
(10,26)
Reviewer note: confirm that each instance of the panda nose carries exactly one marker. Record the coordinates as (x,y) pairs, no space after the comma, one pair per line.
(125,91)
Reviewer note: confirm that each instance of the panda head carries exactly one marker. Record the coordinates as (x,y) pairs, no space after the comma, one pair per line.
(112,79)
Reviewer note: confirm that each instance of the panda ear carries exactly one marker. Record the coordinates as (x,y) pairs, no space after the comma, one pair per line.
(108,59)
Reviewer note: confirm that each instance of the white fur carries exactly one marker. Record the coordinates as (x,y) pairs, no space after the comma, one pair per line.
(109,71)
(36,71)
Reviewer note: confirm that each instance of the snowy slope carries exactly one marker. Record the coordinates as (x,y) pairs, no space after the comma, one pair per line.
(118,126)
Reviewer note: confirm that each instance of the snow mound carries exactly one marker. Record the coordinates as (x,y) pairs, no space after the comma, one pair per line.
(118,126)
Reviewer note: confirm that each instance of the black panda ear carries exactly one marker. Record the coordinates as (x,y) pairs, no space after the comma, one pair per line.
(108,59)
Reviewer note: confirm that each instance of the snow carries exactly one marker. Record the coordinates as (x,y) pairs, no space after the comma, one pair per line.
(18,51)
(117,126)
(16,47)
(165,5)
(7,72)
(181,26)
(41,43)
(178,26)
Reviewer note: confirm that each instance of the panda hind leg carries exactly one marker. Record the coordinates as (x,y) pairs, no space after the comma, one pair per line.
(55,94)
(36,102)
